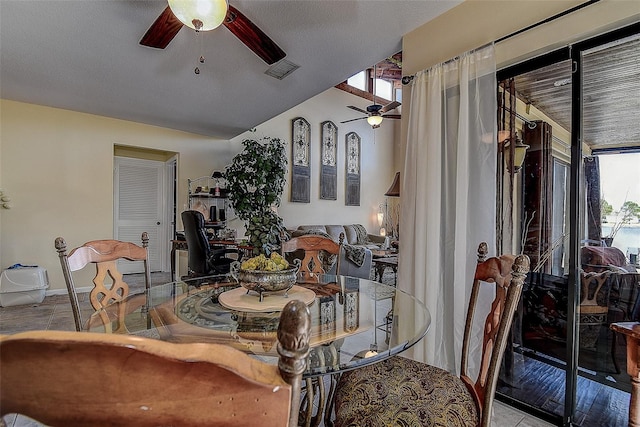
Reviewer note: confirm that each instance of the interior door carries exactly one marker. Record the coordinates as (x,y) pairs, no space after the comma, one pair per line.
(139,188)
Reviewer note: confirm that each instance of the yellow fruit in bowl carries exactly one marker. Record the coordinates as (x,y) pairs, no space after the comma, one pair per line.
(275,262)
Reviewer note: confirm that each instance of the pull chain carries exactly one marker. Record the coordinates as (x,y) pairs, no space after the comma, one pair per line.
(201,59)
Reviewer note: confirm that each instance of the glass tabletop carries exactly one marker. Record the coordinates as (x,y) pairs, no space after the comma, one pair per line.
(354,322)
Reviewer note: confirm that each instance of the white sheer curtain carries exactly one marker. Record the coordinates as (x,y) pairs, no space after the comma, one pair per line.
(448,195)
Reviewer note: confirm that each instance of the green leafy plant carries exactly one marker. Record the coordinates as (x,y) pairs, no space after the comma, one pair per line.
(606,208)
(625,215)
(255,180)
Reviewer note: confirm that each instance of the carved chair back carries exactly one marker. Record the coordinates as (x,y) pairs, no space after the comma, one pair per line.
(108,284)
(595,289)
(507,273)
(315,249)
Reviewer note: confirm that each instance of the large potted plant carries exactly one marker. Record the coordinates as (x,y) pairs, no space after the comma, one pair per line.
(255,181)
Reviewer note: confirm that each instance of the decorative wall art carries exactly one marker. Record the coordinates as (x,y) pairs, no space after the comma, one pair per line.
(351,304)
(327,317)
(352,194)
(300,160)
(329,161)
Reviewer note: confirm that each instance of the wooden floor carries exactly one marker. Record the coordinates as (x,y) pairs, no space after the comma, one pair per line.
(539,381)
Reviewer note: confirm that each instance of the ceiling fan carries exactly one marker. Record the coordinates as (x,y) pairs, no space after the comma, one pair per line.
(375,113)
(167,25)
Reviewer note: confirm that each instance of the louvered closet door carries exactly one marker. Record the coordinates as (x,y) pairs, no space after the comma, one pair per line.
(138,199)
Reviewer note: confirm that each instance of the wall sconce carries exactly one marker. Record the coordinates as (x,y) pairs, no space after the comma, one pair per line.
(519,151)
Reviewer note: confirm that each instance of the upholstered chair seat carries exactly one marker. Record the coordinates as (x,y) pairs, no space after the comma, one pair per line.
(403,392)
(408,392)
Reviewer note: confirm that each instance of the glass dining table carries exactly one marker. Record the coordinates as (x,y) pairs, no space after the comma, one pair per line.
(354,322)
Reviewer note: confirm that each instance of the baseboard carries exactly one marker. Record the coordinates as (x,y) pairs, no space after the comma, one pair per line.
(83,290)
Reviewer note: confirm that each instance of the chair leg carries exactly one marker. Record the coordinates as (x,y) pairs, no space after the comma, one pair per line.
(306,405)
(334,378)
(614,344)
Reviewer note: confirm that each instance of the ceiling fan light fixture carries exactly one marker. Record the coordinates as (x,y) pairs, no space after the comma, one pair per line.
(201,15)
(374,119)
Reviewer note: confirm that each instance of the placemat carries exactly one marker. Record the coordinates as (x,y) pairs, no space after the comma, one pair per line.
(238,299)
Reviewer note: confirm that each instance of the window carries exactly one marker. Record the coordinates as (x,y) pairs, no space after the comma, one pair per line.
(387,85)
(358,81)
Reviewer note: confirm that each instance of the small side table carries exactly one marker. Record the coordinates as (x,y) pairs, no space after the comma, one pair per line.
(381,264)
(632,331)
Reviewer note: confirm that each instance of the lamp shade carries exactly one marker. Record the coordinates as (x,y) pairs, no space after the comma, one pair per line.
(374,120)
(394,190)
(201,15)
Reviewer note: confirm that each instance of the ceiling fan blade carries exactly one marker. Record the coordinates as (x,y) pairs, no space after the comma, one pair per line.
(253,37)
(353,120)
(360,110)
(392,116)
(390,106)
(162,31)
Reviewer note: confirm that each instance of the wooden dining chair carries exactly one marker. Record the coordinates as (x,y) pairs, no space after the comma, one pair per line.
(594,311)
(108,284)
(63,378)
(314,248)
(400,391)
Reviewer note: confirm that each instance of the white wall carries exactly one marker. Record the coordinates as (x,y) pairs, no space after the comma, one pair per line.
(377,160)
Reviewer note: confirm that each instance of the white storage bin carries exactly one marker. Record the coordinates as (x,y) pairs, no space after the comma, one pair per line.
(23,285)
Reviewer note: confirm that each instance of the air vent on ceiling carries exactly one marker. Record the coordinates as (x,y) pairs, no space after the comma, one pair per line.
(281,69)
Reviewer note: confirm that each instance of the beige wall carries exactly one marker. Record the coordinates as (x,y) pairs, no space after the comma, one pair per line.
(475,23)
(57,166)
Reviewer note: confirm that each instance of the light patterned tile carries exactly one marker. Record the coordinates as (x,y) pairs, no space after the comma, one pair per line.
(531,421)
(504,415)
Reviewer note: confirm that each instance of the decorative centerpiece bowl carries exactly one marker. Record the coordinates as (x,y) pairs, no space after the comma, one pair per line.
(263,281)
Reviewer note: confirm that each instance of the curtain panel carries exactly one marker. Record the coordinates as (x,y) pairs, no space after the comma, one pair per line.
(448,202)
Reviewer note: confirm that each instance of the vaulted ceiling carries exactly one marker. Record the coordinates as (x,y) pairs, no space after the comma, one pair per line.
(85,56)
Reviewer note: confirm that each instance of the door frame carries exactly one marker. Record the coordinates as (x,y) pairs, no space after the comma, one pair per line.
(576,208)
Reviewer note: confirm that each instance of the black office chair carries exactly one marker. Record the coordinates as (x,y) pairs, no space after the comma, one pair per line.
(204,260)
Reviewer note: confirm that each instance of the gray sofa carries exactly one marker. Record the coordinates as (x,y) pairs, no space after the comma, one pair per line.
(355,235)
(351,234)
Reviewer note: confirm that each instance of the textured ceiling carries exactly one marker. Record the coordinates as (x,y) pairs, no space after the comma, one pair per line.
(611,94)
(85,56)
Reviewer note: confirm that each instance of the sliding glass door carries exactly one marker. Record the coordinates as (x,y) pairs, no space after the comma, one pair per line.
(576,113)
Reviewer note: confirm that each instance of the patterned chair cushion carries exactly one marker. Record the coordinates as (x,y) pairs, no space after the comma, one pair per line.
(402,392)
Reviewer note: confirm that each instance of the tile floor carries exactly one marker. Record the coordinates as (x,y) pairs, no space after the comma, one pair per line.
(55,313)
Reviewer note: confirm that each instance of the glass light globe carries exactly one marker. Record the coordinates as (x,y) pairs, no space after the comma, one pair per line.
(201,15)
(374,120)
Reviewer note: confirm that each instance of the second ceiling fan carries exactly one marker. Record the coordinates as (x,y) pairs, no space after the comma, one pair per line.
(375,113)
(167,26)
